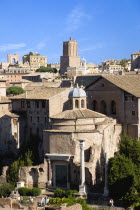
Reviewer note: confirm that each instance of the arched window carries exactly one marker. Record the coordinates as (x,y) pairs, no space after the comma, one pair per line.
(113,107)
(76,104)
(13,61)
(94,105)
(103,107)
(70,103)
(82,103)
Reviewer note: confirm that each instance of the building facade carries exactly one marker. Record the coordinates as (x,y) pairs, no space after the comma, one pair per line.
(35,61)
(35,109)
(135,61)
(119,98)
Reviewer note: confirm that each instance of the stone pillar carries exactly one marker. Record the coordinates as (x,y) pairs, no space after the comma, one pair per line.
(106,191)
(49,183)
(82,168)
(18,134)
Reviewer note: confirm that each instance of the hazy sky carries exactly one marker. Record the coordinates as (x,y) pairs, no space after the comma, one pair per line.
(104,29)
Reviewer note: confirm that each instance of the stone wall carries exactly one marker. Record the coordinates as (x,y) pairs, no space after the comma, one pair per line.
(34,176)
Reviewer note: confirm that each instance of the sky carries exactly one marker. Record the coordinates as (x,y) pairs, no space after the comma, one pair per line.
(104,29)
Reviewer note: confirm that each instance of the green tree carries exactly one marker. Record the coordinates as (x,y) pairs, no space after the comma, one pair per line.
(15,90)
(12,176)
(124,172)
(46,69)
(123,62)
(28,158)
(121,175)
(5,189)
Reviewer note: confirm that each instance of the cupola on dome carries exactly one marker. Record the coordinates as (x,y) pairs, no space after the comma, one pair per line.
(77,93)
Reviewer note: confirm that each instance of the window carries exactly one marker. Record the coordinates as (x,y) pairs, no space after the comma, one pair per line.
(31,118)
(113,107)
(37,104)
(94,105)
(22,104)
(37,118)
(82,103)
(133,113)
(103,107)
(70,103)
(43,104)
(133,98)
(102,85)
(37,131)
(76,104)
(126,98)
(28,104)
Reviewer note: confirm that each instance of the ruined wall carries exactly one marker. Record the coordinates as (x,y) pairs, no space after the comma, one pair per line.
(34,176)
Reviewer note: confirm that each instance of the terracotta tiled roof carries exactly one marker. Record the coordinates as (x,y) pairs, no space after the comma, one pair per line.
(34,85)
(86,80)
(40,93)
(129,83)
(78,113)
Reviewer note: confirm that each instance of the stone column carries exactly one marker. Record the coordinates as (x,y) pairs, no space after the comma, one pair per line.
(18,135)
(49,183)
(106,191)
(82,168)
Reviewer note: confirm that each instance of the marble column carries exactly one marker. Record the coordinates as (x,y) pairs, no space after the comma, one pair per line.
(82,167)
(106,191)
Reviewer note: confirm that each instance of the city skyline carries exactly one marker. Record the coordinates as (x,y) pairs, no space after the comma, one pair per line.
(103,31)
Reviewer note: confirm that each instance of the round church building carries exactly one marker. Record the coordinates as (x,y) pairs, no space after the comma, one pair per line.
(62,149)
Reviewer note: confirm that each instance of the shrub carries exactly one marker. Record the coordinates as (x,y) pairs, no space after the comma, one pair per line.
(5,189)
(36,191)
(130,199)
(70,202)
(64,193)
(23,191)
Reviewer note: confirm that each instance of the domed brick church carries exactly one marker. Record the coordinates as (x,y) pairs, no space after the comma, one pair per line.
(62,150)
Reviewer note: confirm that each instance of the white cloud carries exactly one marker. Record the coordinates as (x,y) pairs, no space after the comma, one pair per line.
(75,18)
(41,45)
(95,47)
(6,47)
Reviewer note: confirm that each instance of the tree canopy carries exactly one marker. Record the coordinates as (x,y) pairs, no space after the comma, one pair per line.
(32,53)
(124,171)
(123,62)
(15,90)
(46,69)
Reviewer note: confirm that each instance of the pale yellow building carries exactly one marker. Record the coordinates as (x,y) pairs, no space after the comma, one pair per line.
(35,60)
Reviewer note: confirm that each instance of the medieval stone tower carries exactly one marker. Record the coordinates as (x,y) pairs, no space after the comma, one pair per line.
(70,56)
